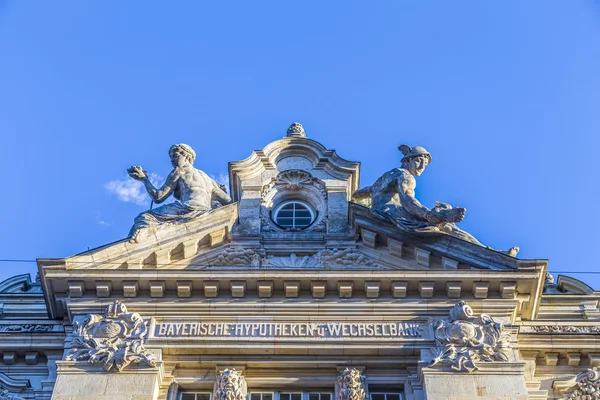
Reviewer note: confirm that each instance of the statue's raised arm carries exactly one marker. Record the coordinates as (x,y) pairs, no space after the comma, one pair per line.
(193,190)
(392,196)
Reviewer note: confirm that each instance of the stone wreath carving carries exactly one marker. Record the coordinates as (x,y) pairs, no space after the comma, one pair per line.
(294,183)
(352,385)
(585,386)
(464,340)
(114,340)
(230,385)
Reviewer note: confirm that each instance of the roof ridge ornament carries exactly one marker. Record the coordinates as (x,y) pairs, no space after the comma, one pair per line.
(296,130)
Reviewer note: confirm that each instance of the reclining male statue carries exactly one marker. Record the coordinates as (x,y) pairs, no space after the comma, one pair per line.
(193,189)
(392,196)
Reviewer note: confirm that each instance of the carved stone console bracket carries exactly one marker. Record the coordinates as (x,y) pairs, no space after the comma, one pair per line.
(230,385)
(114,340)
(585,386)
(351,385)
(463,340)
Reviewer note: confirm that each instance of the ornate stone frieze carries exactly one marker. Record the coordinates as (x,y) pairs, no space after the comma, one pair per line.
(585,386)
(564,329)
(26,328)
(235,255)
(352,385)
(463,340)
(230,385)
(114,340)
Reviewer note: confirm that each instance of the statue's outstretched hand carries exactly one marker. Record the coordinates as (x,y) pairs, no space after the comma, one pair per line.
(137,173)
(452,214)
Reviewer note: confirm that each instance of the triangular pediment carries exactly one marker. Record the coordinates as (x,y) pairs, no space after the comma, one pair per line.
(207,243)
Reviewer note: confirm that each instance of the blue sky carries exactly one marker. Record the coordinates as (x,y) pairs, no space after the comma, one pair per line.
(505,95)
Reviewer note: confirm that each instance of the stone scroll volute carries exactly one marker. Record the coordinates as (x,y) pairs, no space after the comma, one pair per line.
(113,340)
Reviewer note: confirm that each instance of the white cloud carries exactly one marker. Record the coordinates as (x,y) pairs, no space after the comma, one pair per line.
(222,179)
(131,191)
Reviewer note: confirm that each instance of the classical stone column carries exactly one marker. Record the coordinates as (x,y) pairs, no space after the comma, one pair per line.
(474,358)
(107,359)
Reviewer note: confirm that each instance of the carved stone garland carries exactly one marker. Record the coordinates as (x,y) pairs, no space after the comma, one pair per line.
(352,385)
(291,183)
(230,385)
(464,340)
(114,340)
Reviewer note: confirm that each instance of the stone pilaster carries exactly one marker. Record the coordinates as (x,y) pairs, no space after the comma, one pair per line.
(77,380)
(491,381)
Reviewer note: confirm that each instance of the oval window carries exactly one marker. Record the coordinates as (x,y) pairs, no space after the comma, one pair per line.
(294,214)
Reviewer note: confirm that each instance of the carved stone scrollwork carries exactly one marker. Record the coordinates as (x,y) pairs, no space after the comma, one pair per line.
(565,329)
(294,184)
(464,340)
(585,386)
(344,257)
(114,340)
(235,255)
(352,385)
(26,328)
(230,385)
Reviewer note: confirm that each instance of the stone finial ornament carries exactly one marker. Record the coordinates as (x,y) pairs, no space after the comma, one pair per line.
(352,385)
(193,190)
(464,340)
(114,340)
(296,130)
(230,385)
(392,197)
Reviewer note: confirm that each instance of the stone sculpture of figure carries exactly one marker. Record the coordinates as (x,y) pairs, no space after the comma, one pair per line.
(194,190)
(392,196)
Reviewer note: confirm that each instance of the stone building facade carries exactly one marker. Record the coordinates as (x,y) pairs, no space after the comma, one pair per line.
(295,292)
